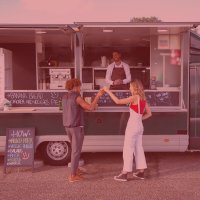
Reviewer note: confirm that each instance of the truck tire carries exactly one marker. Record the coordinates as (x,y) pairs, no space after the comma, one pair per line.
(56,152)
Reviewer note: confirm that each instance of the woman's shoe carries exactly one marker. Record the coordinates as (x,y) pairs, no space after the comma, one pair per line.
(121,177)
(139,175)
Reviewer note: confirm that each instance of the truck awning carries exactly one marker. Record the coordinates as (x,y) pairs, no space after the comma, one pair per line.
(137,24)
(71,28)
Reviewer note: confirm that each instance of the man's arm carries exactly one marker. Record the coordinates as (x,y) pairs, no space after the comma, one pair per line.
(80,101)
(128,75)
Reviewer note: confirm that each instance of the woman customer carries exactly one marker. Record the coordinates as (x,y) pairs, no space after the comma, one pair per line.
(134,130)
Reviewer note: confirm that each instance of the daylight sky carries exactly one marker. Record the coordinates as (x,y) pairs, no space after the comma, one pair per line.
(69,11)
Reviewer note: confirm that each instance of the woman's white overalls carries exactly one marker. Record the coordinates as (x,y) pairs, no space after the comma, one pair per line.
(133,141)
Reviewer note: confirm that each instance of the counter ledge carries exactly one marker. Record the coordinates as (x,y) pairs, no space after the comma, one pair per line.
(100,109)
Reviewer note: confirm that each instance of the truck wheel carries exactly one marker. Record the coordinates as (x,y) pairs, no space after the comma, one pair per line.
(56,152)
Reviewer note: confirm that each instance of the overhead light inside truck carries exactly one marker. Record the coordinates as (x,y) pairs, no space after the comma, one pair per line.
(162,30)
(40,32)
(107,31)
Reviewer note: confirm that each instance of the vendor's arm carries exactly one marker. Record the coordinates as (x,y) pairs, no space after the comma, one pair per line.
(130,99)
(148,112)
(109,74)
(86,106)
(128,74)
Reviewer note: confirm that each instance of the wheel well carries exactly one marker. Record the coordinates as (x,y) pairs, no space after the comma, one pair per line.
(39,146)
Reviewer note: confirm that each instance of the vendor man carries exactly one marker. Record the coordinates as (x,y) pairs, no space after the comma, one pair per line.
(118,73)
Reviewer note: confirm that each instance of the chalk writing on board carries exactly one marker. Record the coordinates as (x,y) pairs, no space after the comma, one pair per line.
(163,97)
(37,99)
(35,95)
(152,98)
(25,155)
(17,95)
(106,99)
(15,151)
(54,95)
(27,98)
(20,133)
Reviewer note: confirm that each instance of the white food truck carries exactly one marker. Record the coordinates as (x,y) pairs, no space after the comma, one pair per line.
(36,61)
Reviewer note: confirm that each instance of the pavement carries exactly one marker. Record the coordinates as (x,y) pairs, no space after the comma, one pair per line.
(169,176)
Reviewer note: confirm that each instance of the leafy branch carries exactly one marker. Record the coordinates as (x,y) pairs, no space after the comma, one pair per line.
(145,19)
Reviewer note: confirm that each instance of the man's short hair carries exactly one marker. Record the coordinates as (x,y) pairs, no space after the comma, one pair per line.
(70,84)
(116,51)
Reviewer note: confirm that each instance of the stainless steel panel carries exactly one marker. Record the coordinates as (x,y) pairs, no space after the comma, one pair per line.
(195,105)
(198,92)
(193,91)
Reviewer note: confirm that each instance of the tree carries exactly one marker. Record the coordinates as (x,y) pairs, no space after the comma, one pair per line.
(145,19)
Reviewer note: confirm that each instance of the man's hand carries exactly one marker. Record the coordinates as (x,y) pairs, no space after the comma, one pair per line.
(80,101)
(100,93)
(116,82)
(120,81)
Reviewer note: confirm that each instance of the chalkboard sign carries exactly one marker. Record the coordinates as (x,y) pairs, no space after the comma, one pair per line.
(19,151)
(34,99)
(152,98)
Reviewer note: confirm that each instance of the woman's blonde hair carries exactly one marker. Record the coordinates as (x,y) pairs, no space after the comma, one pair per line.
(137,85)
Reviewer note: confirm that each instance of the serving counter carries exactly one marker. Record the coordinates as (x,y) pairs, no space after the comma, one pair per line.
(100,109)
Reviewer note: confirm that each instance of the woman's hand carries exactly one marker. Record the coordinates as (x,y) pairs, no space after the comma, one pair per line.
(100,93)
(105,89)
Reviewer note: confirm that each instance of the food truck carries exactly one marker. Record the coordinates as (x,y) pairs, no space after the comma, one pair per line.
(36,61)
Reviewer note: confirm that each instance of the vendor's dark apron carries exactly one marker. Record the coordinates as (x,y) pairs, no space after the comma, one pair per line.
(118,73)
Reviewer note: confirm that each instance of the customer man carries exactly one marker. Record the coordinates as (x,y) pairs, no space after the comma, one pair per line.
(73,121)
(118,73)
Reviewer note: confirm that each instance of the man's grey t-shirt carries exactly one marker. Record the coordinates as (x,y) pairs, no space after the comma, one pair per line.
(72,113)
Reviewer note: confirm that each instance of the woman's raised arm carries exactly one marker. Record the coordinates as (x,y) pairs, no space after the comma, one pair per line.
(130,99)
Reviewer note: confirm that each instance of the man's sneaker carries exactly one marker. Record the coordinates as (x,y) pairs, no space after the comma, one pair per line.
(79,171)
(139,175)
(76,178)
(121,177)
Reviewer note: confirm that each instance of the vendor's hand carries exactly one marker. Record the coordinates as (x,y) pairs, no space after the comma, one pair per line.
(116,82)
(100,93)
(120,82)
(105,89)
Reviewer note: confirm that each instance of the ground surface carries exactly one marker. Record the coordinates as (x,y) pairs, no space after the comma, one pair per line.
(169,176)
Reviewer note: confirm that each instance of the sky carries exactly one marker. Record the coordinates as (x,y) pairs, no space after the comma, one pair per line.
(70,11)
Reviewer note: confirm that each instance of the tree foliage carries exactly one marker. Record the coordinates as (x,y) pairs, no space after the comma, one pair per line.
(145,19)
